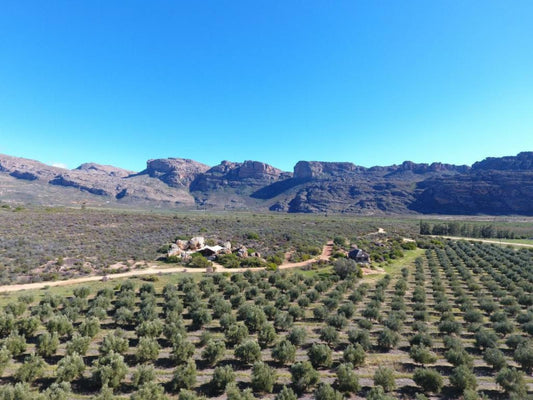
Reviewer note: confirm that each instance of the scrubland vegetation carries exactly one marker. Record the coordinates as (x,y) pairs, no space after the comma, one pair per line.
(50,244)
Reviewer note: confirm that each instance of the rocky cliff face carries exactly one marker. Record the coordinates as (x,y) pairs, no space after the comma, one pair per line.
(348,188)
(109,170)
(521,162)
(496,186)
(176,172)
(109,183)
(324,170)
(244,176)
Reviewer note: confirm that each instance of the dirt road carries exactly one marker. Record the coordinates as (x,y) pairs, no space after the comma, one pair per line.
(493,241)
(326,254)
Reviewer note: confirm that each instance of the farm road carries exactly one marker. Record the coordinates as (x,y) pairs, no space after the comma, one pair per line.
(503,243)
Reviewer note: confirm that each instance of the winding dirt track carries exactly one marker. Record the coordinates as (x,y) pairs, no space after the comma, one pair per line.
(155,270)
(503,243)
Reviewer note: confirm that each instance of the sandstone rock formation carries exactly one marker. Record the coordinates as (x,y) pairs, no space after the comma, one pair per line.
(496,185)
(176,172)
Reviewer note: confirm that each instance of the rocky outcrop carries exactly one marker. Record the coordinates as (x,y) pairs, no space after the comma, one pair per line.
(176,172)
(23,168)
(521,162)
(492,192)
(82,184)
(26,175)
(110,183)
(324,170)
(243,176)
(494,186)
(258,170)
(109,170)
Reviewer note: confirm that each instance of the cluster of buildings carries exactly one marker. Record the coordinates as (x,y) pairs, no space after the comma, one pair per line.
(185,248)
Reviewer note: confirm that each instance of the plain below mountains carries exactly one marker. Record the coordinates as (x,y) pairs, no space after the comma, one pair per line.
(494,186)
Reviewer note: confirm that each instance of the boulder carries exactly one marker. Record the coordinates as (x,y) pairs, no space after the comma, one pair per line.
(175,251)
(182,244)
(242,252)
(196,243)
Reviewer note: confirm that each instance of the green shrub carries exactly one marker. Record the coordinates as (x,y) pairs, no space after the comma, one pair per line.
(523,355)
(284,352)
(263,378)
(422,355)
(324,391)
(297,336)
(267,335)
(143,374)
(184,376)
(70,368)
(463,378)
(149,391)
(248,352)
(109,370)
(388,339)
(304,376)
(222,376)
(429,380)
(347,380)
(384,377)
(213,351)
(32,369)
(147,350)
(512,382)
(286,393)
(319,355)
(47,344)
(495,358)
(355,355)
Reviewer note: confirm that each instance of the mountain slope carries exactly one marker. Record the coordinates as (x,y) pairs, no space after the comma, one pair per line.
(494,186)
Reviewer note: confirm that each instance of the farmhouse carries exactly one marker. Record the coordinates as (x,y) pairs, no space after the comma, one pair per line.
(185,248)
(210,251)
(360,256)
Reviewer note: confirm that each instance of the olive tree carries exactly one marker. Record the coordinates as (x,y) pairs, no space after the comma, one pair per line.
(143,373)
(110,369)
(304,376)
(184,376)
(512,382)
(222,376)
(147,350)
(324,391)
(463,378)
(263,377)
(70,367)
(47,344)
(32,368)
(284,352)
(384,377)
(213,351)
(355,355)
(347,380)
(429,380)
(248,352)
(150,391)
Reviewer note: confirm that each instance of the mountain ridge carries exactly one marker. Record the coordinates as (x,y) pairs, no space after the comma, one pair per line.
(495,185)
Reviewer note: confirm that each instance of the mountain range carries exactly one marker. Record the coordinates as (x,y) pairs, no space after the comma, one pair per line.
(494,186)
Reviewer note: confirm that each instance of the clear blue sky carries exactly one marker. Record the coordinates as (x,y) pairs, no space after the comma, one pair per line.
(370,82)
